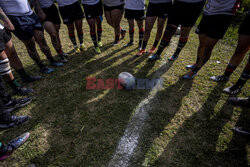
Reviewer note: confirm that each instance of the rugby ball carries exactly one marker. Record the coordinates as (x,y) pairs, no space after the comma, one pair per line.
(127,80)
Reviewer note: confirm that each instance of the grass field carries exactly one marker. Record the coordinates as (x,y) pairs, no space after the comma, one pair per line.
(187,123)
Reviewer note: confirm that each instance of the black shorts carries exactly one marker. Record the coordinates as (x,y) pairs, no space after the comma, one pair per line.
(24,26)
(134,14)
(93,11)
(245,26)
(52,14)
(160,10)
(71,13)
(214,26)
(5,37)
(185,14)
(109,8)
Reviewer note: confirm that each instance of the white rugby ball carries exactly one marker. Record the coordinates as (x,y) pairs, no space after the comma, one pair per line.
(127,80)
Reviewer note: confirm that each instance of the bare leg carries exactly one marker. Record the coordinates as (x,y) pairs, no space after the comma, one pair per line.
(78,25)
(15,62)
(51,29)
(39,37)
(116,16)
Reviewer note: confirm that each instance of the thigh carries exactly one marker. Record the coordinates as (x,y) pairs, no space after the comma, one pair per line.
(49,27)
(116,15)
(161,23)
(150,22)
(108,16)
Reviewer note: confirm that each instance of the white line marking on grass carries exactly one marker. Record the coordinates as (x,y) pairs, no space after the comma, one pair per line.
(128,144)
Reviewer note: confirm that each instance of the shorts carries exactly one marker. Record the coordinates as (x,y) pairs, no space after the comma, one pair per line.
(71,13)
(52,14)
(134,14)
(110,8)
(160,10)
(185,14)
(93,11)
(24,26)
(5,37)
(214,26)
(245,26)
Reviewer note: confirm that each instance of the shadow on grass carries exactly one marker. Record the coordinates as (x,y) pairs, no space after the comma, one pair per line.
(195,142)
(66,128)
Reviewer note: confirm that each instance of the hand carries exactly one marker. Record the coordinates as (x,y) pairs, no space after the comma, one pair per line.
(9,26)
(41,15)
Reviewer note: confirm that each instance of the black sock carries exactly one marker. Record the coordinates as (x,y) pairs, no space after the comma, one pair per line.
(73,39)
(22,73)
(196,69)
(181,44)
(144,44)
(41,65)
(244,77)
(99,34)
(80,37)
(117,37)
(197,60)
(155,43)
(93,37)
(131,36)
(14,84)
(163,45)
(229,70)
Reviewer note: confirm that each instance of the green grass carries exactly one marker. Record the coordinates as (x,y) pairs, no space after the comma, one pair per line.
(190,122)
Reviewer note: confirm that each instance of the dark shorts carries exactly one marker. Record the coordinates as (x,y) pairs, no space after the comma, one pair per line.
(185,14)
(110,8)
(245,26)
(5,37)
(134,14)
(52,14)
(93,11)
(24,26)
(71,13)
(214,26)
(160,10)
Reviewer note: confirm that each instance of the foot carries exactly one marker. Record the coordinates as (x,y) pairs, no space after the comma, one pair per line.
(129,44)
(99,43)
(154,57)
(13,121)
(82,47)
(23,91)
(141,52)
(98,50)
(123,33)
(191,67)
(47,70)
(20,140)
(152,50)
(65,55)
(242,131)
(30,79)
(239,101)
(220,78)
(7,149)
(56,64)
(14,104)
(190,75)
(233,90)
(173,58)
(116,42)
(77,50)
(63,59)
